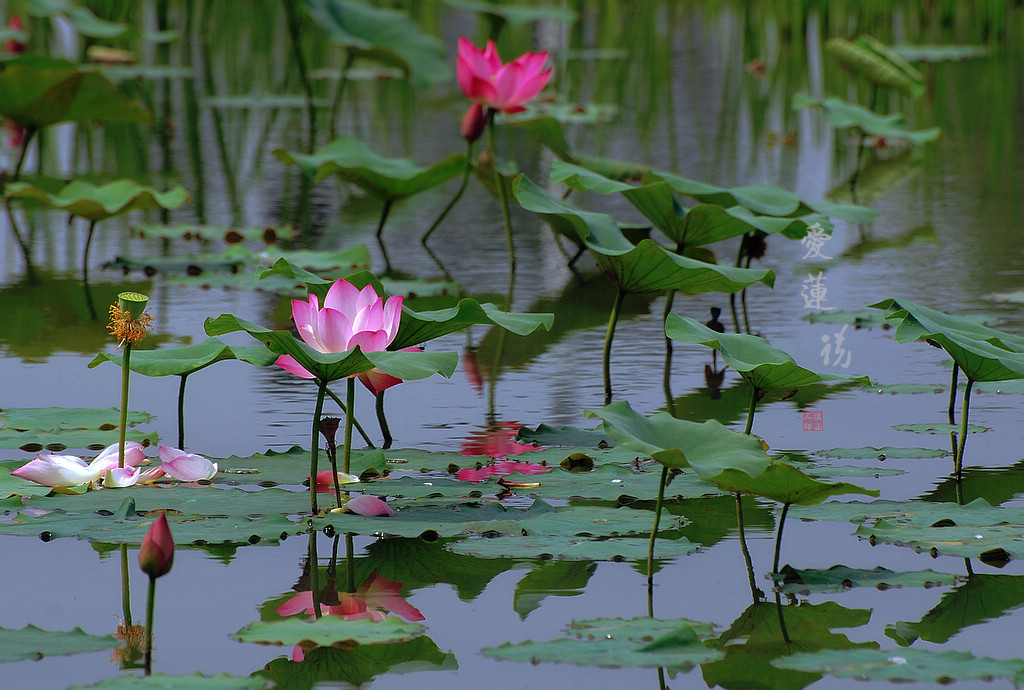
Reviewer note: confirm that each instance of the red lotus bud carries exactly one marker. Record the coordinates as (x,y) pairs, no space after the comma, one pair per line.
(157,552)
(473,123)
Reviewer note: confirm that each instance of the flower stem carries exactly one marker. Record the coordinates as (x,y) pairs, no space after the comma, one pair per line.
(85,254)
(126,595)
(181,412)
(125,364)
(350,404)
(22,154)
(666,377)
(500,184)
(613,318)
(741,532)
(150,605)
(315,446)
(468,168)
(654,531)
(314,575)
(778,538)
(350,564)
(750,413)
(383,421)
(963,429)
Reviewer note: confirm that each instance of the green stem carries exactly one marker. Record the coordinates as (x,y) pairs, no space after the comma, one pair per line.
(85,254)
(26,249)
(355,422)
(314,575)
(952,394)
(125,364)
(778,539)
(750,413)
(351,397)
(315,445)
(342,82)
(741,531)
(22,154)
(350,564)
(500,184)
(468,168)
(782,619)
(126,595)
(654,535)
(963,429)
(380,230)
(666,376)
(383,421)
(613,318)
(150,605)
(181,412)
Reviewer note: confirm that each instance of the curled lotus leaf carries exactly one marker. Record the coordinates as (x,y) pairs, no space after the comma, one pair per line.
(99,203)
(878,63)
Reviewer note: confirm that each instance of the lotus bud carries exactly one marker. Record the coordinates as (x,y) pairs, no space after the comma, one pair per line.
(157,552)
(473,123)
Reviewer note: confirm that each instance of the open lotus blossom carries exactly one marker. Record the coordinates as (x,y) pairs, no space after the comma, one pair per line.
(177,464)
(374,599)
(70,470)
(485,80)
(499,469)
(349,317)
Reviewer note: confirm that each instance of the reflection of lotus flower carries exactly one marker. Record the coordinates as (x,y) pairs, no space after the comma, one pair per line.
(69,470)
(374,599)
(496,440)
(348,318)
(499,469)
(485,80)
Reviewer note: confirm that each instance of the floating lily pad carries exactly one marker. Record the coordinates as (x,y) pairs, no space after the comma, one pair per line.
(910,388)
(66,418)
(840,578)
(906,664)
(864,318)
(785,483)
(883,453)
(160,681)
(565,436)
(569,549)
(1015,297)
(31,642)
(330,631)
(938,428)
(99,203)
(229,234)
(841,114)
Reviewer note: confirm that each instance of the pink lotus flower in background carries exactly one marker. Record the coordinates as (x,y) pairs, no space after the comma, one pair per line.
(501,468)
(370,506)
(485,80)
(376,381)
(70,470)
(374,599)
(349,317)
(185,467)
(13,45)
(325,481)
(496,440)
(156,555)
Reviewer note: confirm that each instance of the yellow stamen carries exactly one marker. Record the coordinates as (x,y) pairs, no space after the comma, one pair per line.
(127,329)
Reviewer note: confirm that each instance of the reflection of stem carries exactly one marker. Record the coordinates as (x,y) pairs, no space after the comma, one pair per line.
(124,403)
(958,487)
(782,619)
(654,535)
(468,168)
(613,318)
(181,412)
(433,256)
(666,377)
(963,428)
(380,229)
(743,302)
(750,413)
(732,295)
(150,605)
(952,410)
(315,446)
(314,575)
(26,250)
(350,396)
(25,139)
(359,427)
(85,254)
(342,82)
(741,530)
(500,183)
(350,565)
(126,599)
(292,18)
(383,421)
(778,538)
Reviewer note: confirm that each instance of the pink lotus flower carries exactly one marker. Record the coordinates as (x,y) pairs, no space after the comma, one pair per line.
(376,381)
(156,555)
(185,467)
(70,470)
(374,599)
(501,468)
(496,440)
(13,45)
(349,317)
(325,481)
(370,506)
(485,80)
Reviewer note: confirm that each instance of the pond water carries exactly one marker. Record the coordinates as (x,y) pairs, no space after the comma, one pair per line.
(688,95)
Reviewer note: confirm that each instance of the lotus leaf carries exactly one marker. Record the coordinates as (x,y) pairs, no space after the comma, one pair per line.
(514,15)
(84,21)
(840,578)
(785,483)
(99,203)
(549,131)
(161,681)
(31,642)
(182,361)
(906,664)
(878,63)
(564,578)
(330,630)
(841,114)
(933,429)
(939,53)
(569,549)
(883,453)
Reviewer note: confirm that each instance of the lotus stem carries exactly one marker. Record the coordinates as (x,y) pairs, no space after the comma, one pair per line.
(778,538)
(315,446)
(355,422)
(782,619)
(26,250)
(959,460)
(351,398)
(654,533)
(468,168)
(181,412)
(750,413)
(342,82)
(85,254)
(384,217)
(150,605)
(952,394)
(500,183)
(23,153)
(123,431)
(314,575)
(613,318)
(350,564)
(292,18)
(382,419)
(666,376)
(741,532)
(126,595)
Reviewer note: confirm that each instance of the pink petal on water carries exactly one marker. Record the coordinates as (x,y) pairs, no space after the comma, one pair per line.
(370,506)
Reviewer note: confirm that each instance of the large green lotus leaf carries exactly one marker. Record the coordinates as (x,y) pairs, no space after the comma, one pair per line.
(98,203)
(708,448)
(288,467)
(906,664)
(878,63)
(515,15)
(764,366)
(188,501)
(66,418)
(330,630)
(809,626)
(357,667)
(58,440)
(571,549)
(31,642)
(551,578)
(333,366)
(574,223)
(389,179)
(982,353)
(566,436)
(383,35)
(465,518)
(182,361)
(627,646)
(886,452)
(761,199)
(583,179)
(982,598)
(785,483)
(1000,541)
(161,681)
(916,513)
(840,114)
(840,578)
(40,91)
